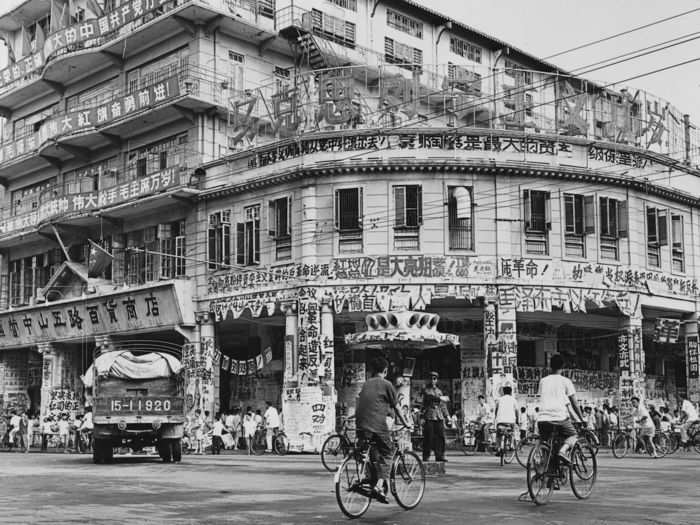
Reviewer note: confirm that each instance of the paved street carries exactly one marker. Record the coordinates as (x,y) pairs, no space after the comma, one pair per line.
(68,488)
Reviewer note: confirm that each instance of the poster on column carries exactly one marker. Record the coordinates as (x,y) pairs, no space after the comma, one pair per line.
(691,345)
(309,341)
(351,381)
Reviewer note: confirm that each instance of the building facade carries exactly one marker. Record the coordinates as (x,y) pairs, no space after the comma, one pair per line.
(265,175)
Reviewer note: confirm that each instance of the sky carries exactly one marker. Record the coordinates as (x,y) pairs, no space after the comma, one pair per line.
(546,27)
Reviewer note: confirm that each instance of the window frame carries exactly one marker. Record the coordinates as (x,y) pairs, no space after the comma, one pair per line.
(401,192)
(404,23)
(455,225)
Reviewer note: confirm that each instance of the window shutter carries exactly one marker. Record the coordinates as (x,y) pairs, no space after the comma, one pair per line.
(360,209)
(272,219)
(226,244)
(399,206)
(652,236)
(212,249)
(569,226)
(677,231)
(589,214)
(526,207)
(240,243)
(337,209)
(419,204)
(662,232)
(579,216)
(622,229)
(256,241)
(289,216)
(547,211)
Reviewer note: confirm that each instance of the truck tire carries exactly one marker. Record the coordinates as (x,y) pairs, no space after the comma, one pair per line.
(108,452)
(97,452)
(176,450)
(164,450)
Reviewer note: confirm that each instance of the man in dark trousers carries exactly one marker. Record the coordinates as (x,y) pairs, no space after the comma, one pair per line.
(434,417)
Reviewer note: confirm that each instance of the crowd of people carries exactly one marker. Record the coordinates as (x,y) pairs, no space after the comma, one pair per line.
(231,429)
(22,430)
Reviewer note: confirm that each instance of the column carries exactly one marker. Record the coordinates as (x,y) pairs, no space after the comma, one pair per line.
(327,367)
(501,345)
(201,383)
(690,327)
(48,355)
(630,354)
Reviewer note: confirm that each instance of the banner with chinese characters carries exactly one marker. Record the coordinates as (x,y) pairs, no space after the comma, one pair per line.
(667,330)
(102,115)
(691,347)
(21,69)
(128,310)
(93,200)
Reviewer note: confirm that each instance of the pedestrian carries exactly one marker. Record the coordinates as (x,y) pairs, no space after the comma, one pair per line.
(272,424)
(217,431)
(24,426)
(64,431)
(605,425)
(589,418)
(46,432)
(258,418)
(524,423)
(688,417)
(507,415)
(434,420)
(14,428)
(196,429)
(249,428)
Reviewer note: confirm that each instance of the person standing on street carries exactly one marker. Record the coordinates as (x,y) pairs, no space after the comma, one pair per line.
(13,429)
(217,431)
(272,424)
(434,420)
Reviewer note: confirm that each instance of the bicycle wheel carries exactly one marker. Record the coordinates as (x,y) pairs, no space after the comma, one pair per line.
(333,452)
(259,443)
(674,441)
(592,440)
(281,444)
(583,470)
(620,446)
(508,450)
(522,451)
(695,441)
(407,479)
(539,482)
(353,487)
(662,444)
(468,443)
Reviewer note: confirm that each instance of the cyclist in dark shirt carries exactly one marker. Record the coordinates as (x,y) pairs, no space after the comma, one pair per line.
(377,401)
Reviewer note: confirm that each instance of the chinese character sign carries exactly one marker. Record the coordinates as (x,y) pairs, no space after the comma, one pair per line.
(691,346)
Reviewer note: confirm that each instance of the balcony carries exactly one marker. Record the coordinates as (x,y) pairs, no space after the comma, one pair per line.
(188,90)
(139,196)
(81,50)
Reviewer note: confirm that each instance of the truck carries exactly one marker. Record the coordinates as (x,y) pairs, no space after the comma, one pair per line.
(138,400)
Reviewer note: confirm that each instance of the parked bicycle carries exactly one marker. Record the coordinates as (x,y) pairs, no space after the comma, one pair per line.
(357,476)
(546,473)
(336,447)
(280,443)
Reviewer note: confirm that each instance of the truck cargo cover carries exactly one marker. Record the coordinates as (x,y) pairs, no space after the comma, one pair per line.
(124,364)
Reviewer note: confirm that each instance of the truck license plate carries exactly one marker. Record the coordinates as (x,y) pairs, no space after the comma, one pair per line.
(142,405)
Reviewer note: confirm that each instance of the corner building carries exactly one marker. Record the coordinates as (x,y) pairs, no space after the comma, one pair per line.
(270,174)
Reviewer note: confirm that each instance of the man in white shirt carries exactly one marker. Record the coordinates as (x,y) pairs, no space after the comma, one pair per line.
(557,398)
(644,424)
(507,413)
(689,416)
(272,424)
(14,428)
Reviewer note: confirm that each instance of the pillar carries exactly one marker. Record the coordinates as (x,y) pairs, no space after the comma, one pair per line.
(630,354)
(202,376)
(501,345)
(49,380)
(690,327)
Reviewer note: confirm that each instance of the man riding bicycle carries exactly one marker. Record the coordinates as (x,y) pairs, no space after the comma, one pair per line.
(376,402)
(688,417)
(507,414)
(557,398)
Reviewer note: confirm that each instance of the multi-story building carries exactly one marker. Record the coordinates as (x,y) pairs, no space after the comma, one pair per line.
(264,176)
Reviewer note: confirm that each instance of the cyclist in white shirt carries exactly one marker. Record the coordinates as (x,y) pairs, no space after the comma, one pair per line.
(688,417)
(507,414)
(272,424)
(645,428)
(557,399)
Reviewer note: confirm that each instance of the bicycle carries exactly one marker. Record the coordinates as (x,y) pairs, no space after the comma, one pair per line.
(357,476)
(545,473)
(280,443)
(336,448)
(525,446)
(626,440)
(590,437)
(505,443)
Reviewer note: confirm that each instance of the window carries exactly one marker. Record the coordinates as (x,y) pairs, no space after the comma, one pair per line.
(150,159)
(579,219)
(94,96)
(345,4)
(236,66)
(219,240)
(529,104)
(657,235)
(613,226)
(464,79)
(405,56)
(404,23)
(514,70)
(30,273)
(537,221)
(93,177)
(348,219)
(280,226)
(248,237)
(408,207)
(459,211)
(333,28)
(172,249)
(175,63)
(29,198)
(465,49)
(677,258)
(408,216)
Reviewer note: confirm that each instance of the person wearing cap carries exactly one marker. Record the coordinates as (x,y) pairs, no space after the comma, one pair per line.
(434,420)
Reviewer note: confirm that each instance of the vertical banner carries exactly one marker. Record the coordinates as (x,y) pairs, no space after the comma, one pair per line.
(691,349)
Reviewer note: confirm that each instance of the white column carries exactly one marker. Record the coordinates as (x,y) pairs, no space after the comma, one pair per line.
(692,358)
(630,353)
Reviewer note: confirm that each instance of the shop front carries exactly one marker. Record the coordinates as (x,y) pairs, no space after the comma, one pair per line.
(45,349)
